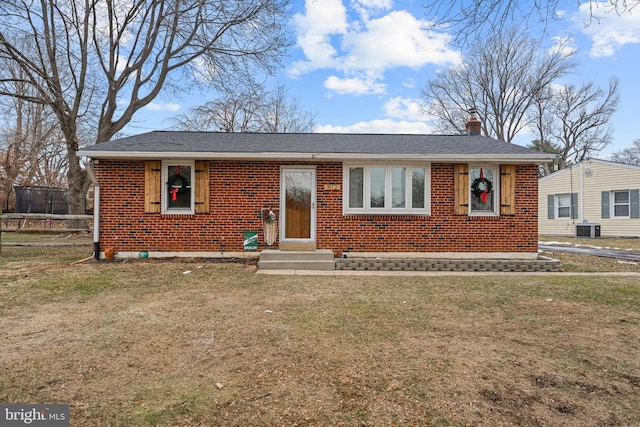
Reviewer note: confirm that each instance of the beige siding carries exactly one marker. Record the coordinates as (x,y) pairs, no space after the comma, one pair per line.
(604,176)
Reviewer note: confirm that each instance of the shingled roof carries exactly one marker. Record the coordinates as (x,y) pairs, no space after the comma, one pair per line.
(330,146)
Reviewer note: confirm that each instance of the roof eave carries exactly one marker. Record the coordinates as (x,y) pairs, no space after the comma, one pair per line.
(157,155)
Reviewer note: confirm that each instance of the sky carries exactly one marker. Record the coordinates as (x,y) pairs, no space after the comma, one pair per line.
(360,66)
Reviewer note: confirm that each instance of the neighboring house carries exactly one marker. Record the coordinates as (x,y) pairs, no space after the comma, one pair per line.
(196,194)
(594,191)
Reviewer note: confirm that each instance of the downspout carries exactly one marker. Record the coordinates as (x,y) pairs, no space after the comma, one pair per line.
(96,210)
(581,196)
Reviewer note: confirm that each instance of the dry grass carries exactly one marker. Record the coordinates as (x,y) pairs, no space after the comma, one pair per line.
(146,343)
(632,244)
(586,263)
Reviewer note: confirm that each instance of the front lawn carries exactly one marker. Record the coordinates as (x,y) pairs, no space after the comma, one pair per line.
(145,343)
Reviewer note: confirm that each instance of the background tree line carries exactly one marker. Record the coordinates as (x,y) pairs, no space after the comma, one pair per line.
(516,86)
(91,65)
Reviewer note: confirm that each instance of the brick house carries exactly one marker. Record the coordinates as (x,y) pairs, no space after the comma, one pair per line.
(180,193)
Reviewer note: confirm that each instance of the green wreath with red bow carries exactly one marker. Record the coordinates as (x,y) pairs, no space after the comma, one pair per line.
(481,187)
(178,184)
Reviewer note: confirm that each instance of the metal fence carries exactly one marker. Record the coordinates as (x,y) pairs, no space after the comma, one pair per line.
(47,200)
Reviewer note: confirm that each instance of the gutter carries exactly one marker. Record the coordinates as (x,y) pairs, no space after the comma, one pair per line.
(157,155)
(96,210)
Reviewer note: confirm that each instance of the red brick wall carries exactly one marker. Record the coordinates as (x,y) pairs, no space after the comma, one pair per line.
(239,189)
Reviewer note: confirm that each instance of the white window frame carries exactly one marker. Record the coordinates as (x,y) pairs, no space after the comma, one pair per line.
(165,197)
(495,211)
(387,209)
(614,204)
(557,207)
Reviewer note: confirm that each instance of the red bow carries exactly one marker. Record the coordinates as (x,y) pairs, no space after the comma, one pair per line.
(174,194)
(484,194)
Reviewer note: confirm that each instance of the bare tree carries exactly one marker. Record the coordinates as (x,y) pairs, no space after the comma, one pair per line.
(541,120)
(502,78)
(580,120)
(629,155)
(251,109)
(28,132)
(30,148)
(284,113)
(114,57)
(234,111)
(549,147)
(472,19)
(52,162)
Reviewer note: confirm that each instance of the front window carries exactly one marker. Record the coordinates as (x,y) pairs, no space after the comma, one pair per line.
(177,196)
(621,204)
(418,180)
(386,188)
(398,187)
(483,189)
(377,187)
(564,206)
(356,187)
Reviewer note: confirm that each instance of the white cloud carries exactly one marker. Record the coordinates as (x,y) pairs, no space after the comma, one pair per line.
(404,108)
(366,8)
(314,30)
(409,83)
(396,40)
(354,86)
(374,4)
(169,106)
(330,38)
(379,126)
(564,44)
(611,31)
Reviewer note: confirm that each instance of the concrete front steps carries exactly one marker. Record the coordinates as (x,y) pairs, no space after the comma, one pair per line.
(322,259)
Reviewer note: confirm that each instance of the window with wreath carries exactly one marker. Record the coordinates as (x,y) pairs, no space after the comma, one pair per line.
(386,188)
(177,187)
(483,189)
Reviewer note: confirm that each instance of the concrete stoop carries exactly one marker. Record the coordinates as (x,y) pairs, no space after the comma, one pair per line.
(542,264)
(322,259)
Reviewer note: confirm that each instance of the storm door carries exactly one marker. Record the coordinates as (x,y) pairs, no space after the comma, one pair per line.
(298,204)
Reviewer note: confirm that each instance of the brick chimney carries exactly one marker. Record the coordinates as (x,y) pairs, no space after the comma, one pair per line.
(474,127)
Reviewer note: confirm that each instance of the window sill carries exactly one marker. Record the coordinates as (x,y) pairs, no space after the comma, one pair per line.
(385,213)
(484,214)
(177,213)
